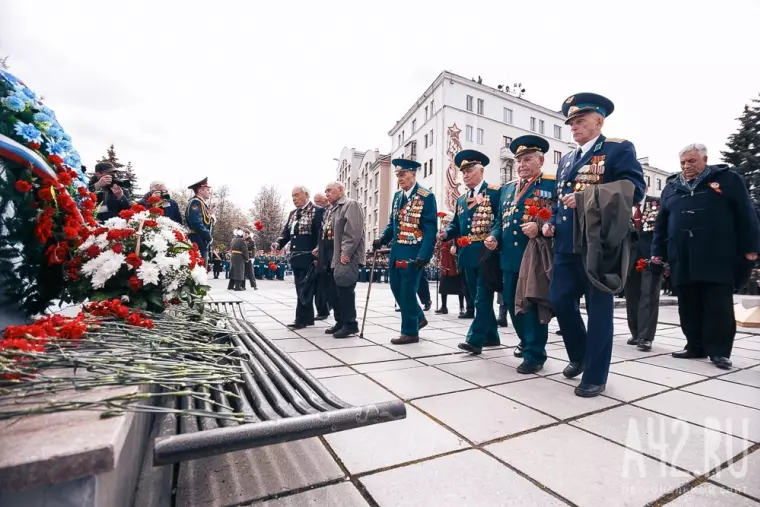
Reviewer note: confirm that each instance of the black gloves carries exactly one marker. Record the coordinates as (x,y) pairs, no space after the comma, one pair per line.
(421,263)
(656,268)
(377,244)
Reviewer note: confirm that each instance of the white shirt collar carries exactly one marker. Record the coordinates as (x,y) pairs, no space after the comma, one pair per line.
(589,145)
(408,193)
(478,188)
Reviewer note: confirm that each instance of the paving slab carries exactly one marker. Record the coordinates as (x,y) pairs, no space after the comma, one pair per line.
(710,495)
(656,374)
(453,357)
(588,470)
(553,398)
(383,445)
(698,366)
(338,495)
(370,354)
(630,352)
(314,359)
(245,476)
(484,373)
(357,390)
(327,342)
(742,422)
(295,345)
(488,416)
(619,387)
(676,442)
(421,349)
(417,382)
(745,377)
(465,479)
(728,391)
(742,476)
(400,364)
(336,371)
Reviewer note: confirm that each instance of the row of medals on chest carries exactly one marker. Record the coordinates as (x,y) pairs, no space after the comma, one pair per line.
(409,220)
(483,216)
(540,199)
(591,174)
(304,223)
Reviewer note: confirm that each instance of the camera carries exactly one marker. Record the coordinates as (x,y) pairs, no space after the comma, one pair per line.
(165,195)
(122,183)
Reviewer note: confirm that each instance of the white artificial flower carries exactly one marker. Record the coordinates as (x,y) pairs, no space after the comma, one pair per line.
(116,223)
(183,258)
(148,273)
(168,235)
(103,267)
(140,217)
(166,264)
(87,243)
(157,243)
(102,241)
(200,275)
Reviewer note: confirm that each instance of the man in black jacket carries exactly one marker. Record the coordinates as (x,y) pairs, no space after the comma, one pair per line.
(642,289)
(707,229)
(111,197)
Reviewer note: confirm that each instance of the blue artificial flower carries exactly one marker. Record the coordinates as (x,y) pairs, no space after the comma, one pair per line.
(29,93)
(73,162)
(66,137)
(28,132)
(55,132)
(7,76)
(46,110)
(14,103)
(22,96)
(66,145)
(55,149)
(42,118)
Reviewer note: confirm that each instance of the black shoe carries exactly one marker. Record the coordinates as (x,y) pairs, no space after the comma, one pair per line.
(645,345)
(332,329)
(502,322)
(518,352)
(296,325)
(688,354)
(633,341)
(427,306)
(558,332)
(405,339)
(422,323)
(442,311)
(470,348)
(467,315)
(723,363)
(345,332)
(527,368)
(321,317)
(573,369)
(589,390)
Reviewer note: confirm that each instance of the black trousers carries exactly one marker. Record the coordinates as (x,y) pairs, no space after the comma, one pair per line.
(321,299)
(706,311)
(304,313)
(423,290)
(642,303)
(249,274)
(343,302)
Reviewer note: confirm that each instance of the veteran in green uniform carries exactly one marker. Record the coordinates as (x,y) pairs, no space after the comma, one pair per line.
(524,206)
(472,223)
(412,226)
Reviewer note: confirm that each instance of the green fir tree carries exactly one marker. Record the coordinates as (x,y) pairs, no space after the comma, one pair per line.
(744,150)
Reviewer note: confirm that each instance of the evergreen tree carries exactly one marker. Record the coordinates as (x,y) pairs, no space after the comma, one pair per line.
(129,175)
(111,157)
(744,150)
(4,62)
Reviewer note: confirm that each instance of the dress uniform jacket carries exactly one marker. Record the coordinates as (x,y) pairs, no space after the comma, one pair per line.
(239,252)
(198,219)
(412,227)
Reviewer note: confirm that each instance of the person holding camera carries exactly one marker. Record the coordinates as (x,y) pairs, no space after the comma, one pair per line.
(111,193)
(169,205)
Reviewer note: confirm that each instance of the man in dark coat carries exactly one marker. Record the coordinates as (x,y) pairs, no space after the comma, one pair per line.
(251,246)
(707,230)
(642,290)
(198,217)
(112,199)
(302,232)
(239,259)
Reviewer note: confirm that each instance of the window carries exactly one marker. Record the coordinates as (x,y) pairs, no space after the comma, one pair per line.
(480,136)
(506,174)
(557,132)
(424,170)
(431,137)
(507,141)
(481,106)
(647,177)
(414,125)
(468,133)
(430,166)
(659,184)
(540,126)
(399,139)
(403,137)
(532,124)
(507,115)
(426,113)
(469,102)
(432,107)
(426,140)
(557,156)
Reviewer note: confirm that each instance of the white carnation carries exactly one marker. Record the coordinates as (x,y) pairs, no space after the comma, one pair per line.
(116,223)
(103,267)
(168,235)
(102,241)
(87,243)
(183,258)
(157,243)
(140,217)
(199,275)
(166,264)
(148,273)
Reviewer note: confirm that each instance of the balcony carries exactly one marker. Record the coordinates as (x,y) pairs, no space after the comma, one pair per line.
(410,150)
(505,153)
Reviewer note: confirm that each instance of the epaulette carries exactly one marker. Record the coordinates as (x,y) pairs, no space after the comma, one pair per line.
(513,181)
(615,140)
(423,192)
(549,176)
(494,186)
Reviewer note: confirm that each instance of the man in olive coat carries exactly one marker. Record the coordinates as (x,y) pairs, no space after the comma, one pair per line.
(239,253)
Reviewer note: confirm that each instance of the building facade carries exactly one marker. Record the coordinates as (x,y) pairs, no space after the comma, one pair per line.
(366,178)
(456,114)
(654,177)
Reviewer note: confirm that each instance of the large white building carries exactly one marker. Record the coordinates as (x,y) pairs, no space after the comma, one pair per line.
(456,113)
(654,177)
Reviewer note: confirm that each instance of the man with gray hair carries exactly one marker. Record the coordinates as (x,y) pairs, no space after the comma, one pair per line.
(159,190)
(341,252)
(708,232)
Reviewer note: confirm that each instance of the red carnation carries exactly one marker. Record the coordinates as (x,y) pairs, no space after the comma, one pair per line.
(153,200)
(134,260)
(56,159)
(134,283)
(258,225)
(532,211)
(46,194)
(64,178)
(93,251)
(544,214)
(88,204)
(126,214)
(117,248)
(157,211)
(150,223)
(180,236)
(137,208)
(70,232)
(441,214)
(33,145)
(57,253)
(82,191)
(23,186)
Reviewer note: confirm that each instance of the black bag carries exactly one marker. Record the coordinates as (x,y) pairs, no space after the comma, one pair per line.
(308,286)
(490,269)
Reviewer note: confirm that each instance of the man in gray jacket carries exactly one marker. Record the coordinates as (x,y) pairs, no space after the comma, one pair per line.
(343,234)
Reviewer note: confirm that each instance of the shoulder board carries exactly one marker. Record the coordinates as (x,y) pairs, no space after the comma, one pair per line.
(548,176)
(615,140)
(513,182)
(423,192)
(493,186)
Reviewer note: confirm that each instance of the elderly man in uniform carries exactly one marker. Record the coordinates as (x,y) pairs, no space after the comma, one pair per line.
(707,230)
(302,232)
(198,217)
(343,241)
(411,226)
(523,207)
(472,223)
(598,160)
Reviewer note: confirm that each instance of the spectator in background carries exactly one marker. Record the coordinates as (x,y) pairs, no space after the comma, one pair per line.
(169,205)
(112,198)
(321,201)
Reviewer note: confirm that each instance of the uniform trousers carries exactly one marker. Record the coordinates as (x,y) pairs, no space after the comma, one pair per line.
(706,311)
(321,298)
(304,313)
(342,300)
(484,328)
(404,284)
(423,291)
(642,303)
(533,335)
(593,348)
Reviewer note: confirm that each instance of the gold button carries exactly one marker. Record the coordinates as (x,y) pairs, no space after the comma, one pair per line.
(514,221)
(564,219)
(515,243)
(515,233)
(568,183)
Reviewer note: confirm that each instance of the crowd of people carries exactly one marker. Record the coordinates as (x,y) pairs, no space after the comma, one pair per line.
(541,243)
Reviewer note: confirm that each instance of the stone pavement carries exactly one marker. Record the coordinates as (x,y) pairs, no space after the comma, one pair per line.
(477,433)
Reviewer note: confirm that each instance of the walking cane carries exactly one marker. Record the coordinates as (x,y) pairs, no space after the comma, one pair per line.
(369,290)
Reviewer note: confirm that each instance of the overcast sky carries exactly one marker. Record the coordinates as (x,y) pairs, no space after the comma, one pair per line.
(253,93)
